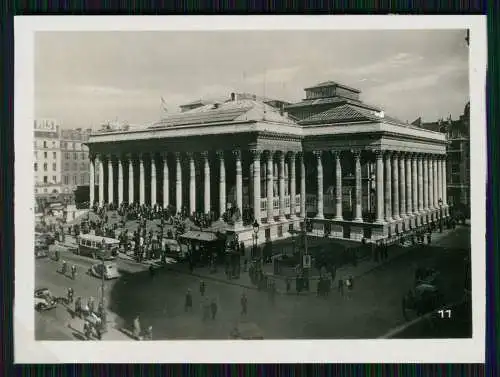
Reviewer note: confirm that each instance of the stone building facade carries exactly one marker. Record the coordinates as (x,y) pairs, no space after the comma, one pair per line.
(349,168)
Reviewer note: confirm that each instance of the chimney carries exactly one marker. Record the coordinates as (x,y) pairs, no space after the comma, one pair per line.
(233,97)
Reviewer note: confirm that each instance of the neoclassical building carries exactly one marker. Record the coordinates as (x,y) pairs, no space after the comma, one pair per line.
(348,167)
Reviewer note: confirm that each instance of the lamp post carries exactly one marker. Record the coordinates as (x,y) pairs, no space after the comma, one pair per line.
(440,202)
(255,237)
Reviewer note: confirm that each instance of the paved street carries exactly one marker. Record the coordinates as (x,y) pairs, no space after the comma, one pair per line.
(373,309)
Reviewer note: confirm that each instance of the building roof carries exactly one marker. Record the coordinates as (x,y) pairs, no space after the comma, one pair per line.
(342,113)
(333,83)
(231,111)
(330,101)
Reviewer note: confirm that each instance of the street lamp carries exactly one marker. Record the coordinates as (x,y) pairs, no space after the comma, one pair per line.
(440,202)
(255,236)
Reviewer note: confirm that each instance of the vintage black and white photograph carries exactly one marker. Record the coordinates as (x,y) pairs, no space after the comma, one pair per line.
(235,185)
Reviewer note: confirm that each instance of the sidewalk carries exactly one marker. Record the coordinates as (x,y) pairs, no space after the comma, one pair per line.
(363,267)
(112,333)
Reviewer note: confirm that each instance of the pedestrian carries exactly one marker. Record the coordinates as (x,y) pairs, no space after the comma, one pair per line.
(188,304)
(349,285)
(87,331)
(73,272)
(341,287)
(213,308)
(202,288)
(64,267)
(137,327)
(78,307)
(288,285)
(70,295)
(149,333)
(429,238)
(91,305)
(244,304)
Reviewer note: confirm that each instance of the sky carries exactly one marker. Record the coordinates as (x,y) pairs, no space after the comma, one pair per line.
(85,79)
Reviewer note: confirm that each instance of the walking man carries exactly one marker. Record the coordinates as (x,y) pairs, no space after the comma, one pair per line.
(202,288)
(188,304)
(213,308)
(73,272)
(70,295)
(244,302)
(341,287)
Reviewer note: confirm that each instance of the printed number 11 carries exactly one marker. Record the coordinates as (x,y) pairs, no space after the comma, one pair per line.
(445,313)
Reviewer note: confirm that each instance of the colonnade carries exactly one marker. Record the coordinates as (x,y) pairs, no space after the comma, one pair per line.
(407,184)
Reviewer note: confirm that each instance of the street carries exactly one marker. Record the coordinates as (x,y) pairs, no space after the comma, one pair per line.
(373,309)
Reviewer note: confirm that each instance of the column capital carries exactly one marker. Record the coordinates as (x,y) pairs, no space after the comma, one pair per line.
(220,154)
(336,153)
(190,155)
(205,155)
(256,153)
(318,154)
(269,154)
(291,155)
(281,155)
(356,153)
(164,155)
(379,153)
(237,153)
(177,155)
(388,153)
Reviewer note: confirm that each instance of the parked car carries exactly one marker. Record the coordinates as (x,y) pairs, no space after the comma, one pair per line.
(44,300)
(41,252)
(107,269)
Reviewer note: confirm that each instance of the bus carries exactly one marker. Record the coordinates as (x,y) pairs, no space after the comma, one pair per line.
(97,247)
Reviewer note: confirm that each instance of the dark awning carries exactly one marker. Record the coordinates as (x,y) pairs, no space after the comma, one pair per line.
(199,236)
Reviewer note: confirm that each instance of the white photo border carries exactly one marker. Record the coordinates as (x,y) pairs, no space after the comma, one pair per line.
(28,350)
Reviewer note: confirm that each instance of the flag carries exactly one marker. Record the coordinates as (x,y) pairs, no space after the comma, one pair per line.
(164,104)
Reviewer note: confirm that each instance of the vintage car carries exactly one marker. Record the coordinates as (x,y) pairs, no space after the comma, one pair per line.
(246,331)
(108,270)
(44,300)
(424,298)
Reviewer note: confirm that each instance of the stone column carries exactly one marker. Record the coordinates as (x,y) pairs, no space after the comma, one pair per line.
(100,163)
(402,185)
(91,181)
(111,196)
(222,183)
(436,181)
(430,183)
(439,195)
(166,186)
(395,187)
(445,187)
(409,185)
(379,183)
(388,187)
(292,190)
(420,173)
(178,182)
(206,182)
(303,212)
(358,217)
(414,184)
(270,184)
(256,184)
(131,198)
(425,173)
(239,183)
(282,186)
(319,214)
(192,184)
(154,198)
(120,181)
(142,188)
(338,185)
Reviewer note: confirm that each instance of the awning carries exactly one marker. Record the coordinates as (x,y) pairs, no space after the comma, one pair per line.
(200,236)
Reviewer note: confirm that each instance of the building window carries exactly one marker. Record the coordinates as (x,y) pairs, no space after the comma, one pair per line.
(82,166)
(66,180)
(54,167)
(45,179)
(54,179)
(75,156)
(45,167)
(83,155)
(35,166)
(75,166)
(74,179)
(82,179)
(54,155)
(44,144)
(44,154)
(53,144)
(45,190)
(67,155)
